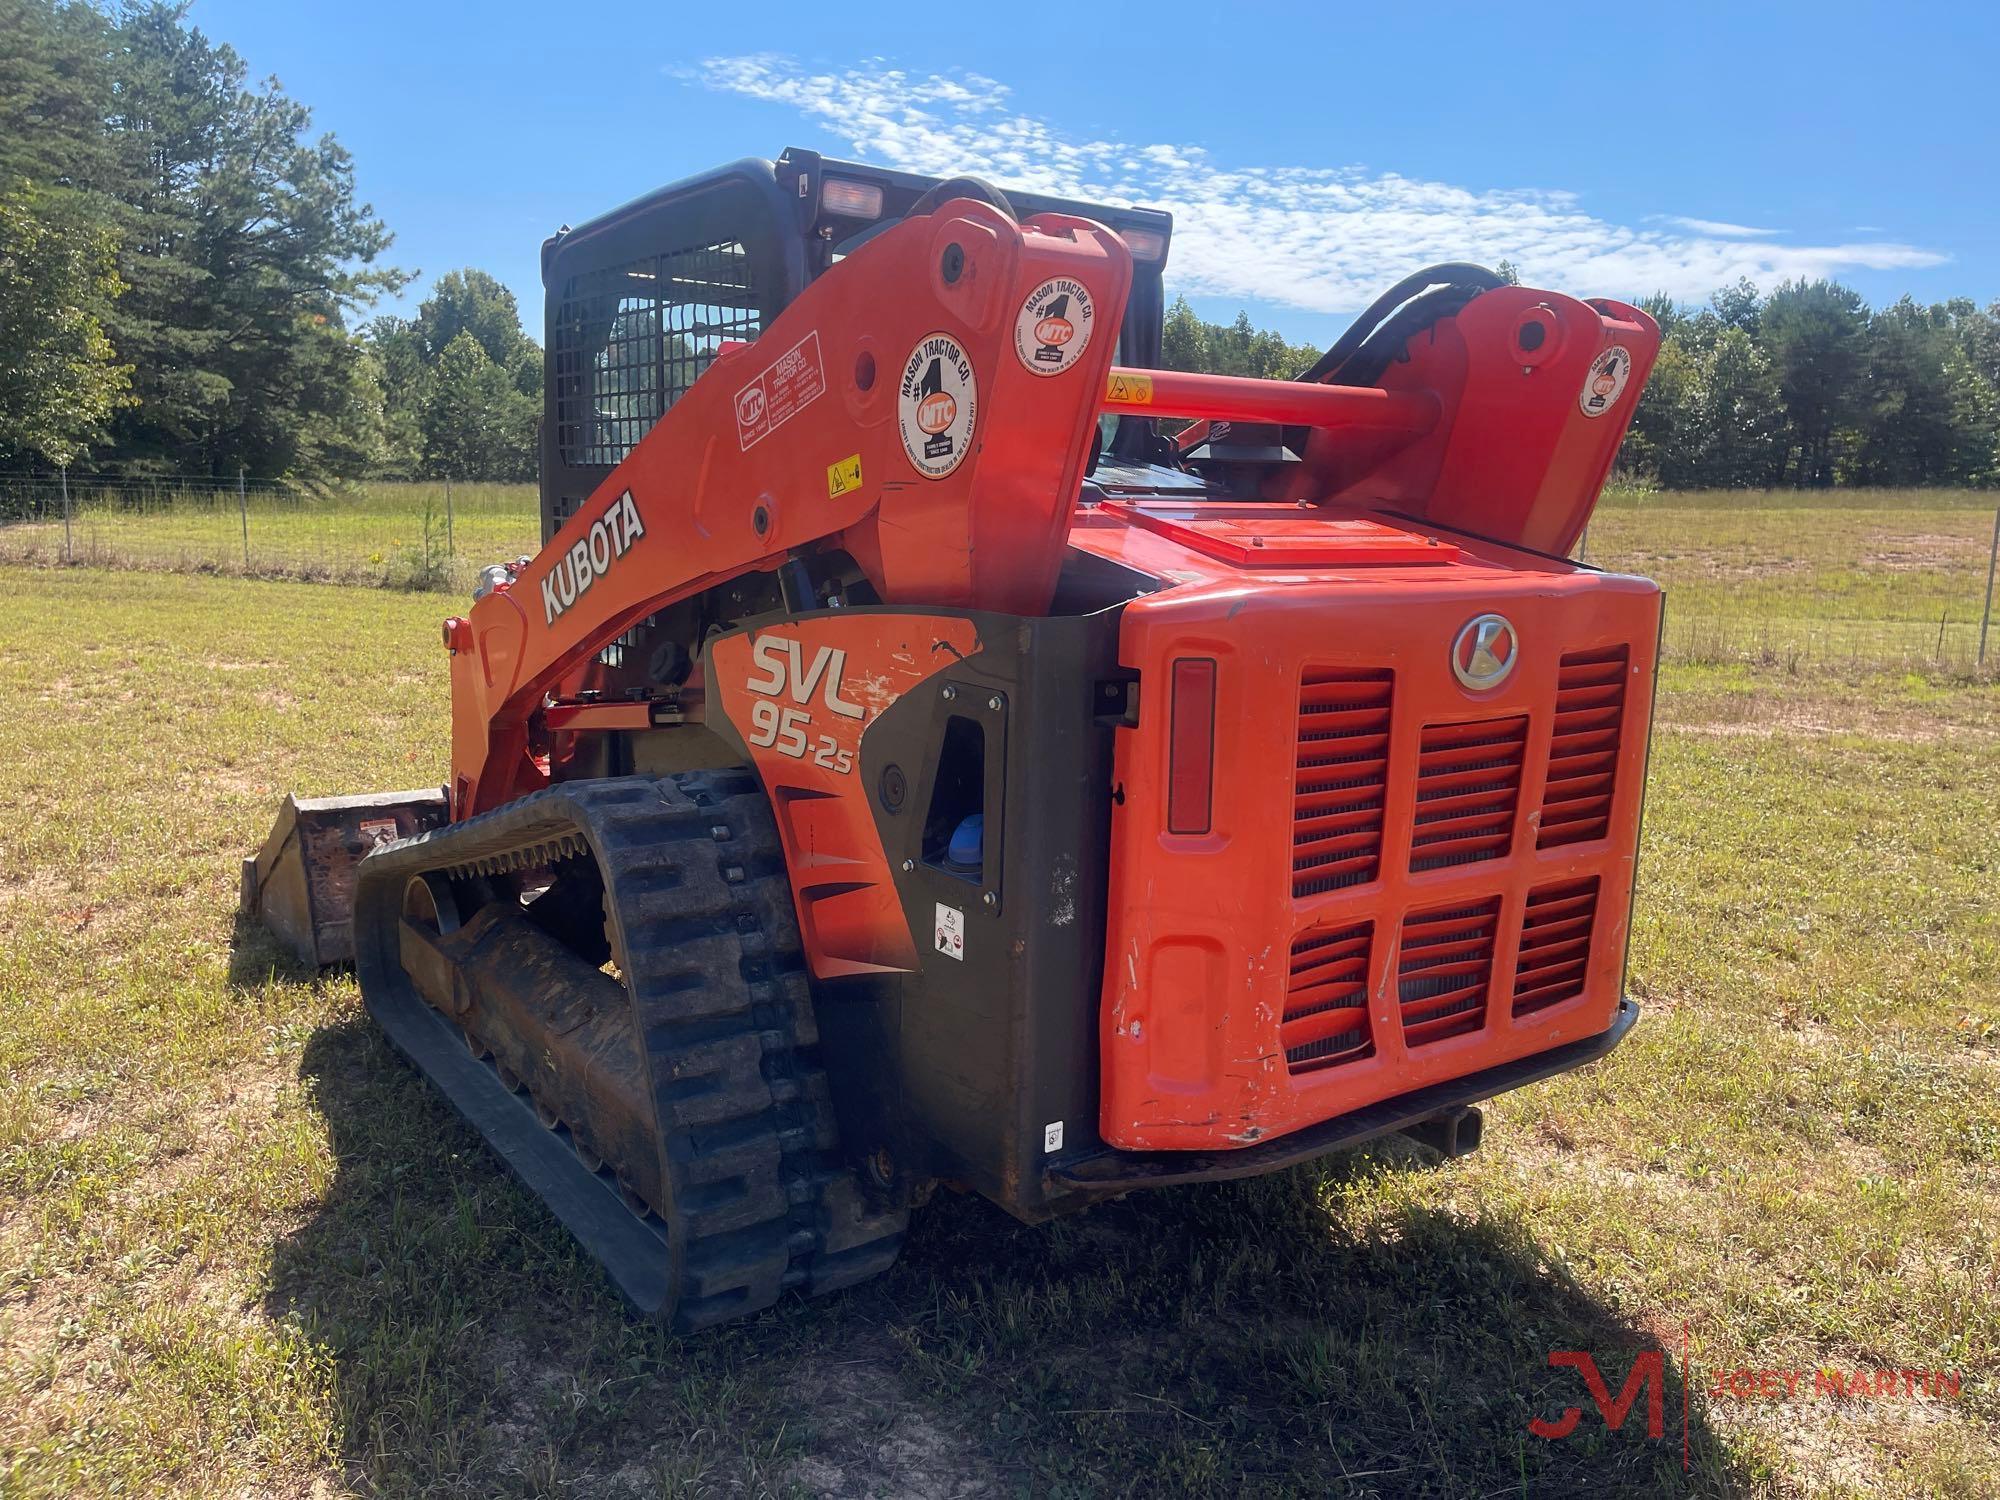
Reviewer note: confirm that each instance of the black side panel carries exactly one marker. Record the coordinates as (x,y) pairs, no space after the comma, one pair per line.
(995,1051)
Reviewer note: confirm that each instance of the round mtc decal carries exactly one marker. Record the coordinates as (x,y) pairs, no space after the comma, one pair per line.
(937,406)
(1053,327)
(1606,381)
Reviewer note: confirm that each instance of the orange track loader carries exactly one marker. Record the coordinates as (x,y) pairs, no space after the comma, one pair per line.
(906,761)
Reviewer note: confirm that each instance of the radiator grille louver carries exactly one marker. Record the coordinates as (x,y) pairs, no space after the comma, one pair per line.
(1343,774)
(1445,969)
(1468,790)
(1326,1002)
(1583,747)
(1555,945)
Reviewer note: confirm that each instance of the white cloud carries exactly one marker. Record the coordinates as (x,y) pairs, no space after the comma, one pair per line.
(1714,227)
(1322,239)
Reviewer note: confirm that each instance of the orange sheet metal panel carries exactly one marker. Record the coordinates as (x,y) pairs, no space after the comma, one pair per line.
(1420,857)
(801,694)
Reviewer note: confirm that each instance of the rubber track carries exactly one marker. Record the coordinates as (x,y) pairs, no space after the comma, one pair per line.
(704,932)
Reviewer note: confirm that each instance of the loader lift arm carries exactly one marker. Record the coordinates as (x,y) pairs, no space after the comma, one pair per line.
(738,476)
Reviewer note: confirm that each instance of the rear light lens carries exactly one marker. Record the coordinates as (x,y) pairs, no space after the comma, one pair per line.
(1145,244)
(851,200)
(1191,747)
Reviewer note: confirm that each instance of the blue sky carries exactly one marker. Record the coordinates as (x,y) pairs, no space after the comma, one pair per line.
(1312,154)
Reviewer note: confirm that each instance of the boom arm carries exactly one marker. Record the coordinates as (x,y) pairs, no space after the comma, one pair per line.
(895,410)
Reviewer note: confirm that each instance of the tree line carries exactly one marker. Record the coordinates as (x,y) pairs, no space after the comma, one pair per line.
(186,273)
(187,282)
(1806,387)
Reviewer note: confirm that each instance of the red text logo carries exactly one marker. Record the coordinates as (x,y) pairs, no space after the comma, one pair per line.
(1649,1373)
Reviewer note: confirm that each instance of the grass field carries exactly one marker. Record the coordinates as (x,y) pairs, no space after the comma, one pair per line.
(244,1250)
(407,536)
(1847,578)
(1884,578)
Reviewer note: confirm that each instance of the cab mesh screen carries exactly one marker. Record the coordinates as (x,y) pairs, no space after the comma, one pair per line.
(629,340)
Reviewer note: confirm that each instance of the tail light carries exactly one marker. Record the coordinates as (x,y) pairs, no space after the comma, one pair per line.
(1191,747)
(1145,244)
(853,200)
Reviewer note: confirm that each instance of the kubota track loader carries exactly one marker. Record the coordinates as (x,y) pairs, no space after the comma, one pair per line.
(906,762)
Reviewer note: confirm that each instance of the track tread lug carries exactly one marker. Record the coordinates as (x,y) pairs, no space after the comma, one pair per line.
(702,909)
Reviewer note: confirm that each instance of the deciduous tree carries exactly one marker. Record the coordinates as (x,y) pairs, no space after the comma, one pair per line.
(59,376)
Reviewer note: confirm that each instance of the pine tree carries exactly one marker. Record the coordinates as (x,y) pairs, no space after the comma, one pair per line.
(476,424)
(246,253)
(1816,336)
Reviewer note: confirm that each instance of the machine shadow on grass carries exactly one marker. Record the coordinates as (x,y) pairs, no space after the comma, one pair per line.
(1313,1332)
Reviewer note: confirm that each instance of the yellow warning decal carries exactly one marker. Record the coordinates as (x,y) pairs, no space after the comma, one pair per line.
(1132,390)
(843,476)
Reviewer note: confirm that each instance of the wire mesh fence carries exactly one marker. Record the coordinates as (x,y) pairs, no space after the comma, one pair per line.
(1870,578)
(1867,578)
(433,535)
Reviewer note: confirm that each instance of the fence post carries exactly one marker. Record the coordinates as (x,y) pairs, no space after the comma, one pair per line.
(69,552)
(1992,557)
(243,505)
(450,546)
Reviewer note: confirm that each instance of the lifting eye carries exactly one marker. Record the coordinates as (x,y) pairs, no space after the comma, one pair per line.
(1537,337)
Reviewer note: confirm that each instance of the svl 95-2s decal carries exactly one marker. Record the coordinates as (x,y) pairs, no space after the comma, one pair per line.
(781,672)
(802,694)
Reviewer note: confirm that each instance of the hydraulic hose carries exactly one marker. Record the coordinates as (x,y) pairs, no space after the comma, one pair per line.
(1411,305)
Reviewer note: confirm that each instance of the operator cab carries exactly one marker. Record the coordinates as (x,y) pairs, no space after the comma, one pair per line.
(640,300)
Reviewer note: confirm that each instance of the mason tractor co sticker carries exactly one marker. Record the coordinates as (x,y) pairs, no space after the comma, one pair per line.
(1606,381)
(937,406)
(590,557)
(1053,327)
(790,384)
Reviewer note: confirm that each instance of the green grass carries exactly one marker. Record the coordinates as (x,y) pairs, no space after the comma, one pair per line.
(243,1249)
(1855,578)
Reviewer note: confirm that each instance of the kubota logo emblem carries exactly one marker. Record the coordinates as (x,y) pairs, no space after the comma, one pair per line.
(1485,651)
